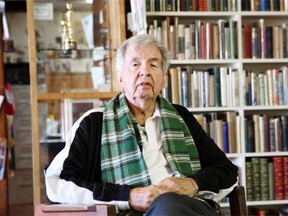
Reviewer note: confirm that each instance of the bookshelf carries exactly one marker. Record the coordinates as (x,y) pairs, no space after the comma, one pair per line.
(194,39)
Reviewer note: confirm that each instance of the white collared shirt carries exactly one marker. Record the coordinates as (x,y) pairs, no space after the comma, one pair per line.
(157,164)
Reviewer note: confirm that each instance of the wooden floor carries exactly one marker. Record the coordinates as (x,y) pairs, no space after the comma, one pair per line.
(21,210)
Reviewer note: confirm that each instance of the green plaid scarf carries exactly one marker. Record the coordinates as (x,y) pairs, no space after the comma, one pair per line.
(122,161)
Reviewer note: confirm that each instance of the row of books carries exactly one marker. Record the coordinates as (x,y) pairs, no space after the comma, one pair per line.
(223,128)
(267,178)
(264,133)
(264,5)
(197,40)
(216,5)
(263,41)
(191,5)
(268,211)
(216,86)
(266,88)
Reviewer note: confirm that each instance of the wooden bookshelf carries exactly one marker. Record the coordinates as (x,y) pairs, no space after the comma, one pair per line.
(161,19)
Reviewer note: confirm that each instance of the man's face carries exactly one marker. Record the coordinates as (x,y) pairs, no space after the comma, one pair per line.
(142,76)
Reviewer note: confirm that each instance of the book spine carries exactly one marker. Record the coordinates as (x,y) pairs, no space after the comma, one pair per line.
(278,178)
(256,179)
(185,89)
(249,181)
(181,42)
(264,178)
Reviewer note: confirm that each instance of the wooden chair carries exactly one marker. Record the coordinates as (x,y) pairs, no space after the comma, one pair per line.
(237,201)
(74,210)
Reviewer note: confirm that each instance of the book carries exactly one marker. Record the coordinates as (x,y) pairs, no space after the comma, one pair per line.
(269,42)
(271,179)
(215,71)
(219,133)
(215,41)
(181,41)
(272,135)
(264,178)
(262,32)
(276,42)
(266,133)
(172,46)
(233,39)
(188,43)
(278,134)
(261,134)
(256,132)
(249,135)
(256,178)
(222,39)
(255,47)
(285,172)
(226,143)
(193,41)
(249,181)
(174,85)
(203,42)
(211,90)
(232,131)
(185,87)
(278,177)
(284,123)
(247,38)
(196,88)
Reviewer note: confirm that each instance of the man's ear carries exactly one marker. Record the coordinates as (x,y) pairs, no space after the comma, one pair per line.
(120,78)
(165,80)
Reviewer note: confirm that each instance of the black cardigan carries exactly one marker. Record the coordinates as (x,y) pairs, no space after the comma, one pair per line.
(82,166)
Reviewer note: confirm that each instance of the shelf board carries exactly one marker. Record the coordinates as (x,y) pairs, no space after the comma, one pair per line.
(264,61)
(75,95)
(266,154)
(267,202)
(191,13)
(204,61)
(218,14)
(265,108)
(212,109)
(264,14)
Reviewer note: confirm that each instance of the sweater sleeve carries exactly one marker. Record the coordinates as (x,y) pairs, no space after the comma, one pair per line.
(217,172)
(74,176)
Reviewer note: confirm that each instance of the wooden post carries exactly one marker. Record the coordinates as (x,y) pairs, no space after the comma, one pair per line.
(34,102)
(117,34)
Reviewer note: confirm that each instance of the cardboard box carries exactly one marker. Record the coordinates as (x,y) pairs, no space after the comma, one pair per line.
(21,187)
(23,156)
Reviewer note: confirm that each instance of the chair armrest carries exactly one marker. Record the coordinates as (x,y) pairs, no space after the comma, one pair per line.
(75,209)
(237,201)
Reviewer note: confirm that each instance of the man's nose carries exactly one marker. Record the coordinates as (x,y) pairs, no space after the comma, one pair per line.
(144,71)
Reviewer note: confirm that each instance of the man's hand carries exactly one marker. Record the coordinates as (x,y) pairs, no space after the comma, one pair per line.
(140,198)
(185,186)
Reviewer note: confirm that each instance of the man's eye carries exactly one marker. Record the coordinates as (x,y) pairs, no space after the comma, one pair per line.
(134,64)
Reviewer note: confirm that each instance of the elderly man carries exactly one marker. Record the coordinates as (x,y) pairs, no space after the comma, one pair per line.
(142,153)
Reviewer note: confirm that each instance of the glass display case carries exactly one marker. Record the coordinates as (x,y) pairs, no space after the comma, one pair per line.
(66,80)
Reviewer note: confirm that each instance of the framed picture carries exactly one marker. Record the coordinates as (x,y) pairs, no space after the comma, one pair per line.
(73,109)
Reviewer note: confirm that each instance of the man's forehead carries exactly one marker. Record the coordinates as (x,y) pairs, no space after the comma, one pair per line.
(147,52)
